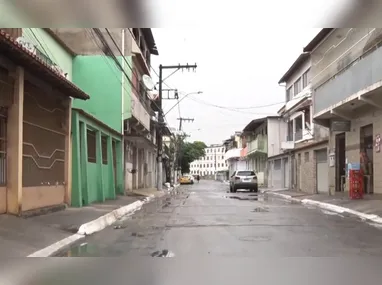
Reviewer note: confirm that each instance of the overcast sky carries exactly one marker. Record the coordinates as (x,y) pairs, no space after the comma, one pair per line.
(238,68)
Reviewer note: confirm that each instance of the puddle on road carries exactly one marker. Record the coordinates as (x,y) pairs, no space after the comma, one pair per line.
(260,210)
(163,253)
(83,249)
(251,197)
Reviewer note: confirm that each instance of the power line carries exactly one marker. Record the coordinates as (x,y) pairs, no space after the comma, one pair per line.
(227,108)
(105,57)
(108,50)
(238,108)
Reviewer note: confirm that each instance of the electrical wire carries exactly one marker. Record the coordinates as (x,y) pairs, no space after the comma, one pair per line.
(227,108)
(42,46)
(102,39)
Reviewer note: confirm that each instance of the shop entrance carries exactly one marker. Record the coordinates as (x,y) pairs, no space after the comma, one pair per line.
(340,153)
(366,157)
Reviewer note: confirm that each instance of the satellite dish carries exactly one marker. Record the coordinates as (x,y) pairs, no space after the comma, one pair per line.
(148,82)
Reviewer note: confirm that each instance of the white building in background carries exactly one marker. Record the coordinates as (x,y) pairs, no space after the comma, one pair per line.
(212,163)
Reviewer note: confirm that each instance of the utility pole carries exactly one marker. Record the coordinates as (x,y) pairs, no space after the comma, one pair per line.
(183,120)
(161,117)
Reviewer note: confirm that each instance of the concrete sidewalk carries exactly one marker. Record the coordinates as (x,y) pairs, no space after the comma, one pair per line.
(44,235)
(369,208)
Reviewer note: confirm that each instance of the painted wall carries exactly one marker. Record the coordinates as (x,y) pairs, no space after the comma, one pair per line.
(94,182)
(277,132)
(339,49)
(100,77)
(53,50)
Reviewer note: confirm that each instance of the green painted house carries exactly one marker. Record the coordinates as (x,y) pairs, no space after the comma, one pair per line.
(97,132)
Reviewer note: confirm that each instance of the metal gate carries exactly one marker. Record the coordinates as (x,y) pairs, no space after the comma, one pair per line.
(277,174)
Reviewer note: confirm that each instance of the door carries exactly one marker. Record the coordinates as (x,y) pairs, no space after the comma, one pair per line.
(277,174)
(367,157)
(286,173)
(113,144)
(322,179)
(340,162)
(294,171)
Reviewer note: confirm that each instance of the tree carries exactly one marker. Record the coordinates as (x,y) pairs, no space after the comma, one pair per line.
(190,152)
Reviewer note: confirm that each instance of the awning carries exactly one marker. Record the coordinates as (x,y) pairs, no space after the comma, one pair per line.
(20,55)
(345,109)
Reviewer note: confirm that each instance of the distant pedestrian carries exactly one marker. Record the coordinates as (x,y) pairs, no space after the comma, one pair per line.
(197,178)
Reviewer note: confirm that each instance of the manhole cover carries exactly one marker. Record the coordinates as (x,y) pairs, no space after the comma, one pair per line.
(163,253)
(255,238)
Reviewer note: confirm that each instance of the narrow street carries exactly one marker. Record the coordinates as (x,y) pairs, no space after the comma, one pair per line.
(204,220)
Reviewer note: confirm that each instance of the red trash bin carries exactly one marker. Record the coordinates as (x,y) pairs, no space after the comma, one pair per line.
(356,184)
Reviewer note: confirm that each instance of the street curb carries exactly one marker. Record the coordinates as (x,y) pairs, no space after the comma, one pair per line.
(56,247)
(108,219)
(330,207)
(95,226)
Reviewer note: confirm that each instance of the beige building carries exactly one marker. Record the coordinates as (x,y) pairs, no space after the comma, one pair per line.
(347,84)
(303,159)
(35,140)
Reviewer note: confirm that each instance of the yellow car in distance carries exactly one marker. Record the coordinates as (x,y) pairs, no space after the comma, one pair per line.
(186,179)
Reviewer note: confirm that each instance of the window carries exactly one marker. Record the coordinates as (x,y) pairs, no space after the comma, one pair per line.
(246,173)
(136,33)
(289,94)
(306,156)
(305,79)
(297,87)
(298,128)
(91,138)
(104,150)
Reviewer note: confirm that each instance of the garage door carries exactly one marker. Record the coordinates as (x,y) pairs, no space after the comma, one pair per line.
(322,171)
(276,174)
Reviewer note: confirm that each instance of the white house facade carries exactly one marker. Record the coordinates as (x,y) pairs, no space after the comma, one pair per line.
(212,163)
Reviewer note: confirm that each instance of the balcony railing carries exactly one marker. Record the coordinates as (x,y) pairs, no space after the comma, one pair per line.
(140,112)
(362,73)
(257,145)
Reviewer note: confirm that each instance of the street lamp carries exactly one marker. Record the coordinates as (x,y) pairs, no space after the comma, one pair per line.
(199,92)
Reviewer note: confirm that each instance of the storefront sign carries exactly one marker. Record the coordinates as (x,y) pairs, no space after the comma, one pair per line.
(339,126)
(378,143)
(27,45)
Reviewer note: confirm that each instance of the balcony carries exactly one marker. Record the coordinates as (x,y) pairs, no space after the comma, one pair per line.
(142,58)
(299,136)
(258,145)
(140,112)
(348,88)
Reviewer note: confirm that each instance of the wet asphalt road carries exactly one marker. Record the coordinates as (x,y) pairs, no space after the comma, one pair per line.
(204,220)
